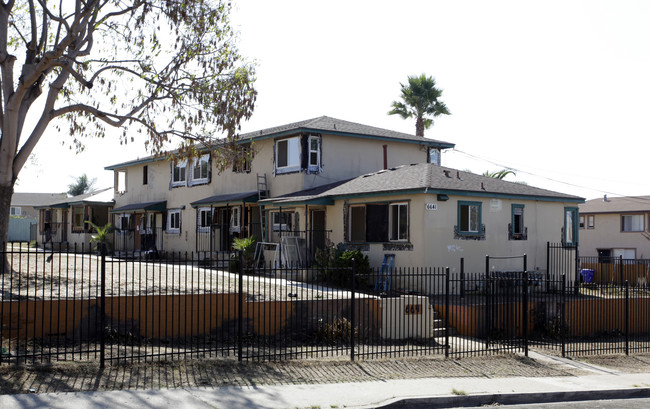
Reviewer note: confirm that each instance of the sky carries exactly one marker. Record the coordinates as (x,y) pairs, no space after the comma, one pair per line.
(558,91)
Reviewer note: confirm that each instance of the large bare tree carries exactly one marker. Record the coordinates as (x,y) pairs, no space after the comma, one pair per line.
(167,69)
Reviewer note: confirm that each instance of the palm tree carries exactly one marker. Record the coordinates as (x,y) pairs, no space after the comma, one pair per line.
(420,100)
(81,185)
(500,174)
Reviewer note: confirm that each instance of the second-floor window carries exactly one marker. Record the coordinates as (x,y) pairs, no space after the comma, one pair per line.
(179,175)
(632,222)
(15,211)
(287,153)
(201,169)
(298,153)
(591,222)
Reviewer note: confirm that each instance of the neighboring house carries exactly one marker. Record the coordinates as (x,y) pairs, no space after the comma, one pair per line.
(62,221)
(615,227)
(428,215)
(187,205)
(24,204)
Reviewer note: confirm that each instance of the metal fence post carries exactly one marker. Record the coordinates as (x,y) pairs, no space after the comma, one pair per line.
(525,310)
(627,318)
(487,302)
(620,268)
(563,316)
(240,307)
(102,306)
(447,309)
(352,314)
(462,277)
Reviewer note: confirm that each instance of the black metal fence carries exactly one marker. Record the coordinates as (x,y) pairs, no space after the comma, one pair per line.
(77,305)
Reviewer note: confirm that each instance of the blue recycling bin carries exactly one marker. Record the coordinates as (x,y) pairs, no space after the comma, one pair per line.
(587,275)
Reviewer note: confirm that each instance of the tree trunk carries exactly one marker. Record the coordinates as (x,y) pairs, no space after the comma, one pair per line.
(419,126)
(6,192)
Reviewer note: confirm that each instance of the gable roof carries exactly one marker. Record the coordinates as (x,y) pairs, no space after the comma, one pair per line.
(35,199)
(99,197)
(429,178)
(624,204)
(336,126)
(322,124)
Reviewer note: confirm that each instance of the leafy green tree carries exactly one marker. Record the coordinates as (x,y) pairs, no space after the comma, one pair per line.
(420,100)
(500,174)
(81,185)
(167,69)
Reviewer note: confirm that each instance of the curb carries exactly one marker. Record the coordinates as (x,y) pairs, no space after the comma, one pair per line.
(516,398)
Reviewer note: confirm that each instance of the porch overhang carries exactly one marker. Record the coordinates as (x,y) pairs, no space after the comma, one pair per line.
(142,207)
(225,199)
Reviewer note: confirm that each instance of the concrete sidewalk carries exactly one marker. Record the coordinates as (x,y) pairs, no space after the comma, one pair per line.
(431,392)
(445,384)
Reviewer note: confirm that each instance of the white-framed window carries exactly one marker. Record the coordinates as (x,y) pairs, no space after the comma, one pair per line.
(179,173)
(469,218)
(591,221)
(201,169)
(243,162)
(433,156)
(571,224)
(124,221)
(120,181)
(204,219)
(313,144)
(398,219)
(235,219)
(282,221)
(174,221)
(287,155)
(15,211)
(632,222)
(582,222)
(78,219)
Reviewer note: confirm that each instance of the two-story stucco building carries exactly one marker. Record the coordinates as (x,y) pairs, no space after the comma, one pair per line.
(189,206)
(324,181)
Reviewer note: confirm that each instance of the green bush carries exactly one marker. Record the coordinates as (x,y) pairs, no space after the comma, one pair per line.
(336,263)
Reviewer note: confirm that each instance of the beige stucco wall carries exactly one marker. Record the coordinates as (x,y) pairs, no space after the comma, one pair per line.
(607,234)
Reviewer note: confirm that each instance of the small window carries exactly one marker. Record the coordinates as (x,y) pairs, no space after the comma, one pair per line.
(314,152)
(469,218)
(434,156)
(205,219)
(235,219)
(591,222)
(517,227)
(287,153)
(201,169)
(398,221)
(174,221)
(243,162)
(15,211)
(282,221)
(570,226)
(632,223)
(78,219)
(178,173)
(124,222)
(582,222)
(145,175)
(120,181)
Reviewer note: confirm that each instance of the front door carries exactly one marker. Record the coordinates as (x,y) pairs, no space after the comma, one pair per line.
(64,227)
(318,235)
